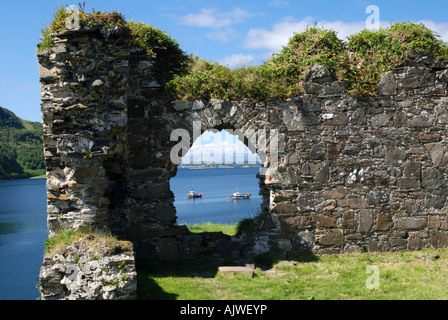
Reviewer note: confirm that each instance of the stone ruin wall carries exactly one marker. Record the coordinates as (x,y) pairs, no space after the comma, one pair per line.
(353,175)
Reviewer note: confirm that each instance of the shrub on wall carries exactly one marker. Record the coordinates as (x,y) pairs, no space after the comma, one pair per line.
(360,61)
(376,52)
(170,58)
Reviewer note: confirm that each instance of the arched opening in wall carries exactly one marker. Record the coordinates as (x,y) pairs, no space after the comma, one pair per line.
(217,182)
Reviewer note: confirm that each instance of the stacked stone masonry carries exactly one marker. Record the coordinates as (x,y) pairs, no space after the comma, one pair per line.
(87,271)
(354,174)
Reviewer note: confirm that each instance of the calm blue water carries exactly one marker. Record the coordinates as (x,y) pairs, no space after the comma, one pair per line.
(217,184)
(23,230)
(23,227)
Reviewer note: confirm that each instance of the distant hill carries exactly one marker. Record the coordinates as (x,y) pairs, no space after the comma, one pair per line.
(21,147)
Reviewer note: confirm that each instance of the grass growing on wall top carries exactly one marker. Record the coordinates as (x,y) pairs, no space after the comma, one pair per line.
(87,239)
(86,20)
(171,59)
(360,61)
(376,52)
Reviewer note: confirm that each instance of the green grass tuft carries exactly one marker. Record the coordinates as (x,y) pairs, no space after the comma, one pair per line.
(413,275)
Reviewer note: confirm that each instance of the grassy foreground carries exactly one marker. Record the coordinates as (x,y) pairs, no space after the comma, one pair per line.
(420,275)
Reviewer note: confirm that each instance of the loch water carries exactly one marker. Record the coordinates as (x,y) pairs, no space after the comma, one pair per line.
(23,231)
(23,226)
(217,185)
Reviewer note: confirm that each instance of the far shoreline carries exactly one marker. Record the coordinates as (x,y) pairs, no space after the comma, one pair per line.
(24,178)
(219,166)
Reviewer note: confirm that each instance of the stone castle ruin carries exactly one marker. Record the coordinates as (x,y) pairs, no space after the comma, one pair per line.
(352,174)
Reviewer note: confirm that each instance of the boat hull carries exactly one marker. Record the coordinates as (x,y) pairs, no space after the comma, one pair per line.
(241,197)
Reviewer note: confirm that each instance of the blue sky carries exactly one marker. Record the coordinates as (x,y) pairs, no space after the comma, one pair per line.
(229,32)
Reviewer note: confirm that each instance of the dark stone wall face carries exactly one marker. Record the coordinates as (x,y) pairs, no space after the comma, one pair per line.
(351,174)
(84,85)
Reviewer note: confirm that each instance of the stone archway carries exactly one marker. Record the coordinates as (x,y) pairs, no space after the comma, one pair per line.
(177,127)
(351,173)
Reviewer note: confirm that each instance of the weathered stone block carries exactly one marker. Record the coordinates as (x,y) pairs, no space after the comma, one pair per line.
(285,207)
(348,220)
(293,120)
(435,201)
(378,196)
(433,179)
(400,119)
(334,237)
(437,152)
(417,240)
(438,239)
(422,121)
(337,120)
(365,220)
(317,152)
(380,120)
(409,223)
(350,248)
(232,271)
(387,85)
(395,156)
(46,74)
(383,223)
(354,203)
(305,202)
(433,222)
(412,169)
(318,74)
(409,183)
(323,221)
(337,193)
(333,152)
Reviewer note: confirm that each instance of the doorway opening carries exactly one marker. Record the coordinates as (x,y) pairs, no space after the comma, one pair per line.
(217,166)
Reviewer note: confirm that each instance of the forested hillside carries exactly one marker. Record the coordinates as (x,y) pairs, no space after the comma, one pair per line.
(21,147)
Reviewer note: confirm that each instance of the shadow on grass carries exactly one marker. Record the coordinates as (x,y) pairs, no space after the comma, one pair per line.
(267,260)
(148,289)
(149,271)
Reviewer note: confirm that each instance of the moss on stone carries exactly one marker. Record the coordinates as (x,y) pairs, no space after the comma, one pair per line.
(86,239)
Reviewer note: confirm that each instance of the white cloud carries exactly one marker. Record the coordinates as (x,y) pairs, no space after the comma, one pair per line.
(440,28)
(225,35)
(238,60)
(274,39)
(210,18)
(281,32)
(219,148)
(277,37)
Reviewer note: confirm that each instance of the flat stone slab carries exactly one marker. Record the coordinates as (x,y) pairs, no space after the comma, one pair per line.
(231,271)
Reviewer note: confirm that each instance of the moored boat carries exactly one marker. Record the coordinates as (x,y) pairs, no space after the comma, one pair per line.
(193,194)
(240,196)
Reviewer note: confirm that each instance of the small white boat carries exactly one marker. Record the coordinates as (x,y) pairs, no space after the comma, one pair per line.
(240,196)
(193,194)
